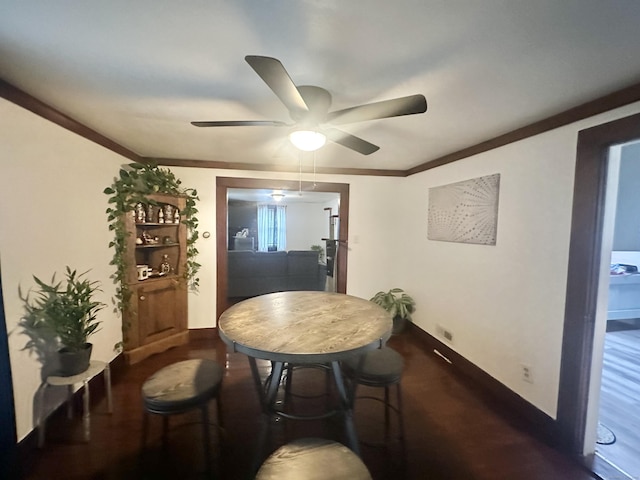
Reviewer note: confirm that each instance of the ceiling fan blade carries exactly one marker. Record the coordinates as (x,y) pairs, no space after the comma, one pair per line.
(388,108)
(240,123)
(276,77)
(350,141)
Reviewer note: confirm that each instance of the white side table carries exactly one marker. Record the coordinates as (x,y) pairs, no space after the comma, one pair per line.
(95,367)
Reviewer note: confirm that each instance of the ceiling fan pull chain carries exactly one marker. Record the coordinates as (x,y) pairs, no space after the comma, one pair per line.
(314,170)
(300,172)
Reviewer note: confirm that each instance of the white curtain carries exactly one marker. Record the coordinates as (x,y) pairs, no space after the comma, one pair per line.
(272,227)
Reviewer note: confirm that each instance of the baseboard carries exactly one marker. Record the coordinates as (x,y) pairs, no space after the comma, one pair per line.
(509,404)
(203,333)
(138,354)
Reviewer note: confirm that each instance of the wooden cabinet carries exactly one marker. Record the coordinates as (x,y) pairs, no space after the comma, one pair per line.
(155,318)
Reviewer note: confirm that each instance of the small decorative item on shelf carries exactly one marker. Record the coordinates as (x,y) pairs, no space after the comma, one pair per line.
(141,216)
(167,240)
(160,216)
(150,213)
(176,216)
(139,241)
(143,271)
(149,240)
(165,266)
(168,213)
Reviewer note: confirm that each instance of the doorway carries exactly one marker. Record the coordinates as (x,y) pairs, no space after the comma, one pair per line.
(617,336)
(579,377)
(224,184)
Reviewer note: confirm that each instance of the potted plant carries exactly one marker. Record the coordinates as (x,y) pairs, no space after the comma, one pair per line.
(320,250)
(398,304)
(67,310)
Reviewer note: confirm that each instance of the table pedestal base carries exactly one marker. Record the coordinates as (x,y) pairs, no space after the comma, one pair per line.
(267,392)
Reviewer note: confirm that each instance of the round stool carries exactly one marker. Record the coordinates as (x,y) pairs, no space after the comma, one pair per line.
(288,382)
(380,368)
(181,387)
(313,459)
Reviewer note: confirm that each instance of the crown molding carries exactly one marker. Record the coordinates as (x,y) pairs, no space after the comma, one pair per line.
(28,102)
(616,99)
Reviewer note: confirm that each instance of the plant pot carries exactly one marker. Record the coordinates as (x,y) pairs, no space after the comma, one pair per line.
(73,362)
(399,324)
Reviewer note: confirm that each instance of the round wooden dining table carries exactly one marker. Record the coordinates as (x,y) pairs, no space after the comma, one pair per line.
(303,328)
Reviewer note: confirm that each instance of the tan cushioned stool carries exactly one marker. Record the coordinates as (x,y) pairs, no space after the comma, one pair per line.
(313,459)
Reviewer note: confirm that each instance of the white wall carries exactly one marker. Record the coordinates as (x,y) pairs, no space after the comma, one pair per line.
(626,235)
(52,212)
(503,303)
(307,224)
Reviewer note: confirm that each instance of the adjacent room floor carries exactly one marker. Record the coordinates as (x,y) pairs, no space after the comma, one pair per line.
(452,431)
(620,399)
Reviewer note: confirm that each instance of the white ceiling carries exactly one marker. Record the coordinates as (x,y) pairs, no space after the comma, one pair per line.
(138,71)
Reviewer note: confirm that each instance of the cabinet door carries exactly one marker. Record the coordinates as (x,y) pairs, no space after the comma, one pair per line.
(162,309)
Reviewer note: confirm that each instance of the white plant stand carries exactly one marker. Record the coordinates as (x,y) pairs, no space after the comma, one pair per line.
(95,368)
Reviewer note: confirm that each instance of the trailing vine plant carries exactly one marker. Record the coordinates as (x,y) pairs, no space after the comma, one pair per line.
(134,183)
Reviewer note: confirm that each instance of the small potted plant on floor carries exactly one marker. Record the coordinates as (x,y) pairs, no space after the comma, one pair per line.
(67,310)
(398,304)
(320,250)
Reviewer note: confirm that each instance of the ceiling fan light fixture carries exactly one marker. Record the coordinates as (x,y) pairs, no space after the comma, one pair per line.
(307,140)
(277,196)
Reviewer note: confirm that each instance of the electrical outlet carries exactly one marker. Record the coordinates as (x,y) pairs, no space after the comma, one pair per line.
(444,333)
(527,373)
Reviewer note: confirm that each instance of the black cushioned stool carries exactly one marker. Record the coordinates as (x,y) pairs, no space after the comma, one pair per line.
(313,459)
(380,368)
(181,387)
(288,385)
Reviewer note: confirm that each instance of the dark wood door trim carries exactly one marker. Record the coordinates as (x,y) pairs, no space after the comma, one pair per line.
(222,186)
(583,274)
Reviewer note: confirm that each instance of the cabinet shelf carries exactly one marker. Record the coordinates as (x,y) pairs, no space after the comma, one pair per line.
(156,278)
(148,224)
(158,245)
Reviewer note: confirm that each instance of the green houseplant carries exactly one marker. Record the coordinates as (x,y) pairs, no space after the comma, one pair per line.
(320,250)
(398,304)
(66,310)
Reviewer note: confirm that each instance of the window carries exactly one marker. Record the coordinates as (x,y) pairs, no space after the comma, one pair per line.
(272,227)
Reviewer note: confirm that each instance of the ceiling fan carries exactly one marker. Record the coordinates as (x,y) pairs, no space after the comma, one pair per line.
(309,109)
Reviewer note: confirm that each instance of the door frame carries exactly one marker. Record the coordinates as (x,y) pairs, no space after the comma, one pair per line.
(583,274)
(223,184)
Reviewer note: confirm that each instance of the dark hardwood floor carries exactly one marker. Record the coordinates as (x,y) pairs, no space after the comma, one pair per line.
(620,400)
(453,431)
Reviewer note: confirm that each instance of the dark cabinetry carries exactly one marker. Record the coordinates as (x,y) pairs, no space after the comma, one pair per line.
(156,315)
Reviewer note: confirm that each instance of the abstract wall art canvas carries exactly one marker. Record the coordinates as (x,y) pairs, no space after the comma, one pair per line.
(465,212)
